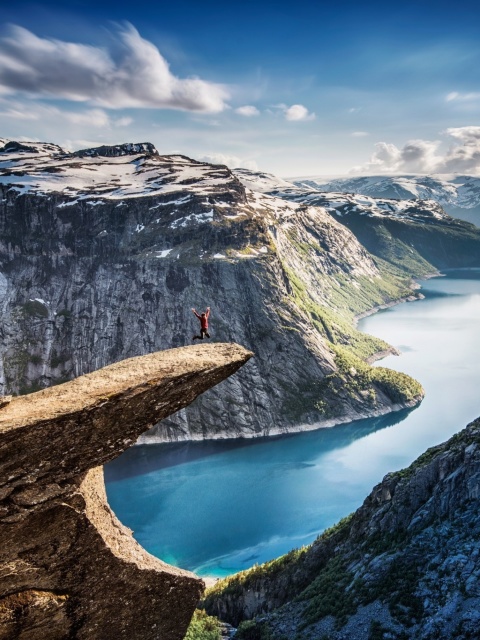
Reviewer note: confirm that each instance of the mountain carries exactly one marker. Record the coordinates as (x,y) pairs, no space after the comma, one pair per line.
(410,235)
(405,565)
(104,251)
(458,195)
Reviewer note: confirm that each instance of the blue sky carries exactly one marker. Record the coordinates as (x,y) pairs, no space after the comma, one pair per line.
(292,88)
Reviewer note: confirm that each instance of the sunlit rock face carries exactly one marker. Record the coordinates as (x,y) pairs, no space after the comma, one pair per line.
(68,567)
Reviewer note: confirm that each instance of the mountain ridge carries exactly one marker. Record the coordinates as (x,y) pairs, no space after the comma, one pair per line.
(102,258)
(458,194)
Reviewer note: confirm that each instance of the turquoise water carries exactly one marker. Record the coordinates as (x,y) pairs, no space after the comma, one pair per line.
(220,507)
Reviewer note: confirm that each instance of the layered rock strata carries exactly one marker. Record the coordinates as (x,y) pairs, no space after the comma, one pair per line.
(68,567)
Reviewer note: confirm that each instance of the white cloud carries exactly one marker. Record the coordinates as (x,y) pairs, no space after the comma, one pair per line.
(467,135)
(91,117)
(451,96)
(233,162)
(123,122)
(464,157)
(297,112)
(131,74)
(18,114)
(360,134)
(247,111)
(52,116)
(424,156)
(462,97)
(416,156)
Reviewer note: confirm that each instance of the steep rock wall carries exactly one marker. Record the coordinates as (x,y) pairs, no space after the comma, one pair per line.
(104,252)
(74,299)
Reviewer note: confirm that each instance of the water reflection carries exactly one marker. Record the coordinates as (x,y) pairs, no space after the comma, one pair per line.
(145,459)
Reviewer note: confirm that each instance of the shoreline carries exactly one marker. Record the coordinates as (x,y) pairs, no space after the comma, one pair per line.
(299,428)
(370,312)
(411,298)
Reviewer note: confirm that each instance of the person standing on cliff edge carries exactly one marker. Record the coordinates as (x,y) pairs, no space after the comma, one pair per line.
(203,324)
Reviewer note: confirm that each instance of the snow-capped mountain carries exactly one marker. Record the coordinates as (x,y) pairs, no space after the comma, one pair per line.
(339,202)
(122,171)
(127,171)
(458,195)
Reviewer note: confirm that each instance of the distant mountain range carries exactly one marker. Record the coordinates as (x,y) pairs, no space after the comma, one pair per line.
(392,229)
(341,201)
(458,195)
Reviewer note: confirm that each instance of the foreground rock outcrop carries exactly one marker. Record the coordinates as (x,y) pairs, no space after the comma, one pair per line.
(68,567)
(405,565)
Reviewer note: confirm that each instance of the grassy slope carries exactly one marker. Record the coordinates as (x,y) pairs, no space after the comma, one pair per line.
(413,247)
(347,297)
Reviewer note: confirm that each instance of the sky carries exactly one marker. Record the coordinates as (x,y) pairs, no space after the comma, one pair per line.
(292,88)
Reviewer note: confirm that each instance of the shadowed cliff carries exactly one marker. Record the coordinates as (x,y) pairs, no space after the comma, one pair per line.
(68,567)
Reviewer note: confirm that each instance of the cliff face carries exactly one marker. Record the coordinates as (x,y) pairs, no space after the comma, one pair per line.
(104,252)
(405,565)
(68,567)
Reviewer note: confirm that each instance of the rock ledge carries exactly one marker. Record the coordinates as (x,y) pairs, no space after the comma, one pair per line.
(68,567)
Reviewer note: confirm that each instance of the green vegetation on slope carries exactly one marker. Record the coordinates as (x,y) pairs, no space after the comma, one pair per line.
(255,630)
(203,627)
(351,348)
(337,327)
(360,561)
(290,567)
(359,376)
(237,582)
(418,248)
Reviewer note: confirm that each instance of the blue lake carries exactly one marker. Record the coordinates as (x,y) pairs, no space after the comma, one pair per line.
(220,507)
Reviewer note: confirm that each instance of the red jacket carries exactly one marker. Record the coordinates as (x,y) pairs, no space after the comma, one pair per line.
(203,319)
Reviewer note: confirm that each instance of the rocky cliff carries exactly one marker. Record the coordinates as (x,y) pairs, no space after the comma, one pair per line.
(405,565)
(103,253)
(68,568)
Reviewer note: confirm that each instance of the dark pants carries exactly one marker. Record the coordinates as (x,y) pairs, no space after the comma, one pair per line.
(203,333)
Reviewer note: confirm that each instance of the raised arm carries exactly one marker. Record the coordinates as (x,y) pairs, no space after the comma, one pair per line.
(208,312)
(198,316)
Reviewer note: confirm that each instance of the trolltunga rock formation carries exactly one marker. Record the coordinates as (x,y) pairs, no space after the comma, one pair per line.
(68,567)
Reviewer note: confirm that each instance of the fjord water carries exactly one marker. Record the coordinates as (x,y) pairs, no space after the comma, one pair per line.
(219,507)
